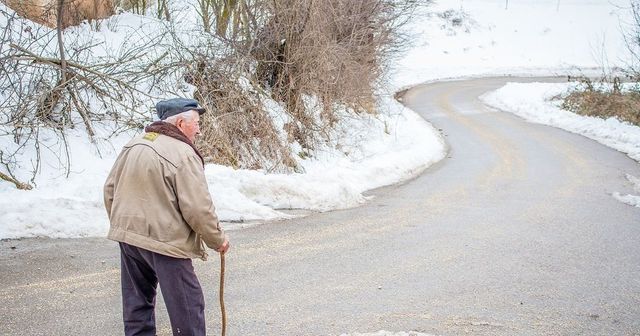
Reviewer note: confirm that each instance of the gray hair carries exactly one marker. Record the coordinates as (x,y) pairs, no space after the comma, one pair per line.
(187,115)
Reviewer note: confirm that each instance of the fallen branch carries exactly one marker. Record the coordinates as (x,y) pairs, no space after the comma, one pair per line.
(19,185)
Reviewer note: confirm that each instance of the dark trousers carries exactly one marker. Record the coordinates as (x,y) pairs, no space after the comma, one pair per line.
(141,271)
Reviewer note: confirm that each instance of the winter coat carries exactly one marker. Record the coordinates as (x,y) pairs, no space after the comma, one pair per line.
(156,197)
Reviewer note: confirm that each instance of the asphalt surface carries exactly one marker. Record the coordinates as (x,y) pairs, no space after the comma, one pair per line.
(514,233)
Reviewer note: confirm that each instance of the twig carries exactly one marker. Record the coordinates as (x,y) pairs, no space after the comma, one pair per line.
(63,63)
(57,62)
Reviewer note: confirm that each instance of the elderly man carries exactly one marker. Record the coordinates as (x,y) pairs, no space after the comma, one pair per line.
(161,212)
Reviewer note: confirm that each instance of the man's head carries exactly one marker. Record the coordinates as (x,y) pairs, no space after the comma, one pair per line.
(183,113)
(187,122)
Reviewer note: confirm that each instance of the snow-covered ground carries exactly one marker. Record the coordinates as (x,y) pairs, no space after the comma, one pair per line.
(365,152)
(374,151)
(633,200)
(470,38)
(454,38)
(533,102)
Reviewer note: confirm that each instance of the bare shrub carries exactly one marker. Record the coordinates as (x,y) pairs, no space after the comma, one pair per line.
(238,130)
(604,101)
(235,19)
(632,38)
(311,56)
(163,10)
(206,14)
(335,50)
(232,19)
(606,97)
(135,6)
(69,89)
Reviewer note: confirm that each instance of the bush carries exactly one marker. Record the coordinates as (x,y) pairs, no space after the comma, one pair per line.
(237,131)
(605,101)
(315,58)
(335,50)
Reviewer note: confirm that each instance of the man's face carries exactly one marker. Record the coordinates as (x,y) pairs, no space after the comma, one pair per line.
(190,127)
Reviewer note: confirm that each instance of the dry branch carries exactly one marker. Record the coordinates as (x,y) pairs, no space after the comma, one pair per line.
(18,184)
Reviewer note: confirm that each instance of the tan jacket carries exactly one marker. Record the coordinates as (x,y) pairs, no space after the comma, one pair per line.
(157,198)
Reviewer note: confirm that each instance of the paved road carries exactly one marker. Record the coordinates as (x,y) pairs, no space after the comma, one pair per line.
(514,233)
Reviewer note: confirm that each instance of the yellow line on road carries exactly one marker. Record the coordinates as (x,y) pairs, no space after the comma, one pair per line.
(510,164)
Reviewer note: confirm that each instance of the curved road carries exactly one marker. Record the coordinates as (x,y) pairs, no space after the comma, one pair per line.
(514,233)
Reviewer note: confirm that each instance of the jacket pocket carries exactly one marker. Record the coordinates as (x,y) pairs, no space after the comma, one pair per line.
(135,224)
(171,232)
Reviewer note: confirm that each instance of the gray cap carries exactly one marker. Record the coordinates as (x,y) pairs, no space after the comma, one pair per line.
(171,107)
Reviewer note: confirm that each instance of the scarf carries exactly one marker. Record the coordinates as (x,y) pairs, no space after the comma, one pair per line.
(170,130)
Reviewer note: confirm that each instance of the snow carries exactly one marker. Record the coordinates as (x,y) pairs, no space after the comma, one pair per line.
(465,38)
(62,207)
(632,200)
(453,38)
(368,158)
(629,199)
(534,102)
(334,179)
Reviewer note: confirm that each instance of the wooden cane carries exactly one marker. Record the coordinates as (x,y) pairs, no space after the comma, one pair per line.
(224,313)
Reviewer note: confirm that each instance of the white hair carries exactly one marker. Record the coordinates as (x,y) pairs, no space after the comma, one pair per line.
(187,115)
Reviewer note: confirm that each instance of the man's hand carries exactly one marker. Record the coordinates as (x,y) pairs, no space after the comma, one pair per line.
(224,247)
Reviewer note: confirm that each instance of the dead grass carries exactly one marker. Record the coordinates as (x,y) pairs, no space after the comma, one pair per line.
(605,101)
(236,131)
(331,52)
(335,50)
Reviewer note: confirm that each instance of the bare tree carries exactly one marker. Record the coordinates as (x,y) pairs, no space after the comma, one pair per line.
(70,88)
(632,39)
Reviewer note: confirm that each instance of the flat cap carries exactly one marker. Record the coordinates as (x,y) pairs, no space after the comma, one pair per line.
(171,107)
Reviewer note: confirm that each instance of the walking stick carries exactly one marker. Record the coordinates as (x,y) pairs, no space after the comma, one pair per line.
(224,313)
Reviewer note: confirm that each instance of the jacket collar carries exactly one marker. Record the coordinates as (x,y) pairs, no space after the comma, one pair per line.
(172,131)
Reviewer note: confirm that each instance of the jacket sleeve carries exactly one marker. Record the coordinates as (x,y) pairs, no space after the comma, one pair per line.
(195,202)
(109,185)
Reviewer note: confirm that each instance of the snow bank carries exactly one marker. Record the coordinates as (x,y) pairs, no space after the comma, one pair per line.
(463,38)
(373,151)
(532,101)
(59,206)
